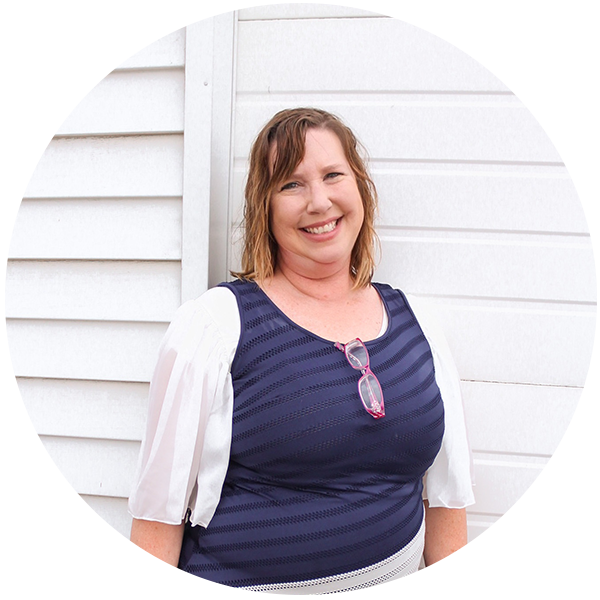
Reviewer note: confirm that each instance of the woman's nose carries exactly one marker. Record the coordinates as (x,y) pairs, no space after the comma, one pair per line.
(318,198)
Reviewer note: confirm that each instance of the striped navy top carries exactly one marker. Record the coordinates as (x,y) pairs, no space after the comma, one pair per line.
(315,485)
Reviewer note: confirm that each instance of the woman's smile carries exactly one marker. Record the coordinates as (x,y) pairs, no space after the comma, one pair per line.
(319,230)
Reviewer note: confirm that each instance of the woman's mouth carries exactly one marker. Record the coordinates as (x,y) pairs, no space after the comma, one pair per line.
(322,229)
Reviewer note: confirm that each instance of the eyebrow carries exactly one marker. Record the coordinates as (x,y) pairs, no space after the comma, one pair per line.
(327,169)
(335,167)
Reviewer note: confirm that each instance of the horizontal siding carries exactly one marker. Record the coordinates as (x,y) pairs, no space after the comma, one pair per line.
(95,467)
(504,342)
(451,128)
(105,350)
(515,266)
(94,274)
(406,58)
(513,418)
(124,166)
(131,102)
(86,409)
(531,200)
(96,290)
(76,229)
(508,486)
(301,11)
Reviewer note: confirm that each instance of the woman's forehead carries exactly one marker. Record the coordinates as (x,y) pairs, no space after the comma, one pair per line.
(314,139)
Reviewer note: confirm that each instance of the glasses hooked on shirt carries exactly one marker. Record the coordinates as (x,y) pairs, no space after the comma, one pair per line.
(369,388)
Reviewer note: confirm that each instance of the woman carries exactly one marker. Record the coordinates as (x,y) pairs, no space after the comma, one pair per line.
(295,412)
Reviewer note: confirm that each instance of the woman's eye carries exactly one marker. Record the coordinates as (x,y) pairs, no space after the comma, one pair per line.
(332,175)
(289,186)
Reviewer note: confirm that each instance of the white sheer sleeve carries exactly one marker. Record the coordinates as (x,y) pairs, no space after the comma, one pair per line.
(449,481)
(185,451)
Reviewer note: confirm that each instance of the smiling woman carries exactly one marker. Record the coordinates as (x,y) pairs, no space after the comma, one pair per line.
(270,462)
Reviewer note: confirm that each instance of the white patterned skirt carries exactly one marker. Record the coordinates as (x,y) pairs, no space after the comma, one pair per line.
(405,562)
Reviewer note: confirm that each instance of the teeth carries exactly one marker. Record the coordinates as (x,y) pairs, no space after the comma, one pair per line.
(324,229)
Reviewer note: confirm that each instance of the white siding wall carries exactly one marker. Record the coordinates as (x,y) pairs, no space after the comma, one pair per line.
(477,212)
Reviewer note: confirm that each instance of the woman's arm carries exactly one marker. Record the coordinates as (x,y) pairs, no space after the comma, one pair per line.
(153,557)
(445,532)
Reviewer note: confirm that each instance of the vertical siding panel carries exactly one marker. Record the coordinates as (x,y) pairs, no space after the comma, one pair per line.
(196,161)
(221,184)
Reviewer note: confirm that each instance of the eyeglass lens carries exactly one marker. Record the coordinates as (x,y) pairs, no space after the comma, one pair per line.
(370,393)
(357,355)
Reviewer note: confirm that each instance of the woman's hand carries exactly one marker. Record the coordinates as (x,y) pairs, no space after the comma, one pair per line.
(159,539)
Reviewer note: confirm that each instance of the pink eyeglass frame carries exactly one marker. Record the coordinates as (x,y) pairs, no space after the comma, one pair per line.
(366,371)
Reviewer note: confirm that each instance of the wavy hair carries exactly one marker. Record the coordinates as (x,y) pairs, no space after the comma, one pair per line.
(277,151)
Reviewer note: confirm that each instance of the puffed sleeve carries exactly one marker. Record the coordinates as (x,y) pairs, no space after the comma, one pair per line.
(449,481)
(185,452)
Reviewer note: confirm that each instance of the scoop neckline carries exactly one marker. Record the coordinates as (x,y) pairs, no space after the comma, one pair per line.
(325,340)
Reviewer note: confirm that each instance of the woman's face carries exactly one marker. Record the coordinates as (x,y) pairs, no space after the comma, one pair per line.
(317,213)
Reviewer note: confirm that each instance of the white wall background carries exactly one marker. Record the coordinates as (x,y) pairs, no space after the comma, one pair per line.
(478,213)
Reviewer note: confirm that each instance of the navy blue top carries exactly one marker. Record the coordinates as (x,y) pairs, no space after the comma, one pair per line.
(316,486)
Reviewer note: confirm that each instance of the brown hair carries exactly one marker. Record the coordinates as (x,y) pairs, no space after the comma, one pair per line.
(286,132)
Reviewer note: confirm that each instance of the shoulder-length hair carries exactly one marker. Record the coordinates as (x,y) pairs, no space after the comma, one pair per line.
(277,151)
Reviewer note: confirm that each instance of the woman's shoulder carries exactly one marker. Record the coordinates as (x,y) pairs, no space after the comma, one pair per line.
(424,310)
(391,290)
(217,300)
(211,318)
(220,305)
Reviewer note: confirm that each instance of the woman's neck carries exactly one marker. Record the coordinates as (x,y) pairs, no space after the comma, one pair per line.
(325,286)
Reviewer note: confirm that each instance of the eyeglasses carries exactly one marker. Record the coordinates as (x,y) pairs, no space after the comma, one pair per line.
(369,388)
